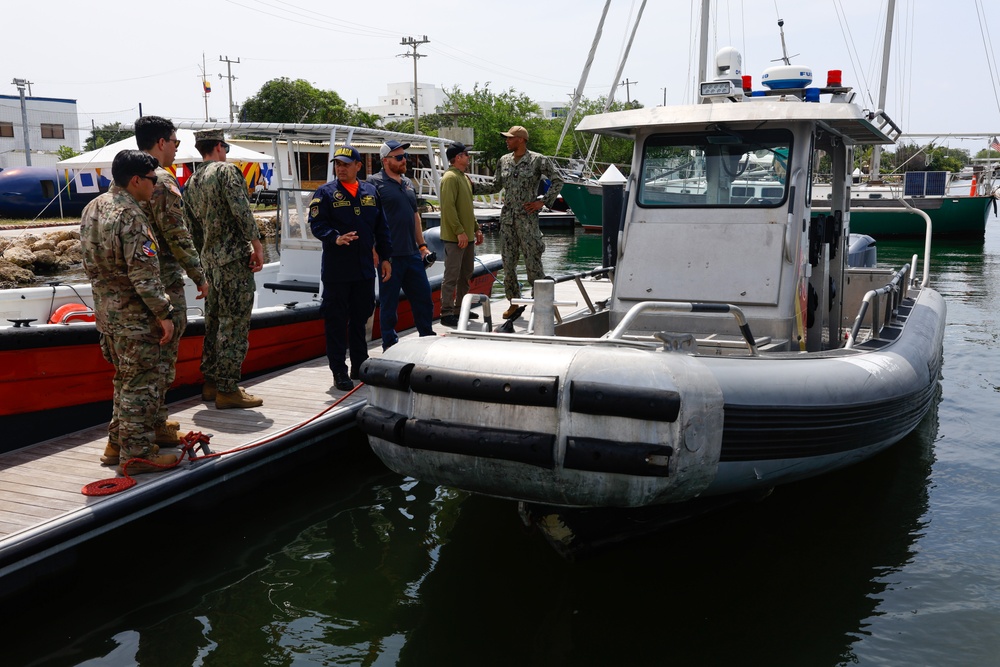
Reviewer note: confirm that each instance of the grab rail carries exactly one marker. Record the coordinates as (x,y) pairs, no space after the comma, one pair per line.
(690,307)
(578,278)
(896,288)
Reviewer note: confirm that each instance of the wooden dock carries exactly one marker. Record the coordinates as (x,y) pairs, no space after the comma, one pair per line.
(43,511)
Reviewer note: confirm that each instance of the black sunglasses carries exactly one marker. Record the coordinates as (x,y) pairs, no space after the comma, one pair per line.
(226,146)
(399,158)
(151,179)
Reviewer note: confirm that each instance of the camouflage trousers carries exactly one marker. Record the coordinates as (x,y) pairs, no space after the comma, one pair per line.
(227,323)
(168,353)
(136,393)
(521,236)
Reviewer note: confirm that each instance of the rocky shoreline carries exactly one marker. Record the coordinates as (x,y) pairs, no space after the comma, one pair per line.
(27,256)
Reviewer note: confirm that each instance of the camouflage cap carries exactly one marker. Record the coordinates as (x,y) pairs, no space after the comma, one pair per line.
(209,135)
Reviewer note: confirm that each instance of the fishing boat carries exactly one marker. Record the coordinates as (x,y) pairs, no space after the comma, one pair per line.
(53,373)
(737,351)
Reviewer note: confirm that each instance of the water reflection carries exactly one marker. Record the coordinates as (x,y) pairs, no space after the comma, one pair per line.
(384,570)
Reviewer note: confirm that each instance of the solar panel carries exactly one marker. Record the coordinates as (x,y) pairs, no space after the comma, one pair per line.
(913,183)
(937,182)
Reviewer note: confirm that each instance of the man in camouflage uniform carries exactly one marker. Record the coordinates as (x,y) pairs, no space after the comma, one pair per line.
(217,209)
(158,137)
(133,312)
(519,174)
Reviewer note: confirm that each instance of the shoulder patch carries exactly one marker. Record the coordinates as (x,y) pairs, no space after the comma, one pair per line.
(314,209)
(173,188)
(149,248)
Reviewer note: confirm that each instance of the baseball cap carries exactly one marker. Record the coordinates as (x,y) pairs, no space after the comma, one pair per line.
(346,154)
(516,131)
(455,149)
(209,135)
(390,146)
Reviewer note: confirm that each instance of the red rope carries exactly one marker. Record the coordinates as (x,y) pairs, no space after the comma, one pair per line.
(193,441)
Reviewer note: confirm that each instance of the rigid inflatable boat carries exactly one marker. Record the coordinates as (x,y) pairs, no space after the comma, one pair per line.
(739,348)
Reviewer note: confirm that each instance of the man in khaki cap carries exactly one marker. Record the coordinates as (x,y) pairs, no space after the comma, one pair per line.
(519,174)
(217,210)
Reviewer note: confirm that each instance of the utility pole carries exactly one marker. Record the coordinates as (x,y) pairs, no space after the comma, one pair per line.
(21,83)
(229,75)
(664,96)
(628,89)
(206,86)
(414,43)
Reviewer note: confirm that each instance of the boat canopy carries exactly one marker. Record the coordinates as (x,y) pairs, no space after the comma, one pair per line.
(844,120)
(186,152)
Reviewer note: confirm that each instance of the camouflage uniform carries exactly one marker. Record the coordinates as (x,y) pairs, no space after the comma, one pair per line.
(120,258)
(519,232)
(217,210)
(177,256)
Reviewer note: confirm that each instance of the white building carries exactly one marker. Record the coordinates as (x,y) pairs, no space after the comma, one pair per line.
(554,109)
(397,104)
(52,122)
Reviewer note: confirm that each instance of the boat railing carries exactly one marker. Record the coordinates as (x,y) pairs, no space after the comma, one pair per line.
(604,271)
(894,292)
(648,307)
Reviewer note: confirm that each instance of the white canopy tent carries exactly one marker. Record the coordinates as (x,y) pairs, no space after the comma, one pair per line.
(186,152)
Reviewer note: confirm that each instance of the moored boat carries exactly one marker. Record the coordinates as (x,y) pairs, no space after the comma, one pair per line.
(738,351)
(53,372)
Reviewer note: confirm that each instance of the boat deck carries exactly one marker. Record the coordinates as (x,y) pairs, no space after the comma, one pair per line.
(44,512)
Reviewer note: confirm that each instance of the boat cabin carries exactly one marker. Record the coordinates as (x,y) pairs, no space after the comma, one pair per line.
(718,213)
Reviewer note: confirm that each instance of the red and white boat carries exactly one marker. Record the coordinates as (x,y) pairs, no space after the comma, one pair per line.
(53,377)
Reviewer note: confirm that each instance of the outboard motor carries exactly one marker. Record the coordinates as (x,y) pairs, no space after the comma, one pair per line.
(861,251)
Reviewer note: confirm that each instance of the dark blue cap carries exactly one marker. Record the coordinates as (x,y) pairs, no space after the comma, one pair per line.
(346,154)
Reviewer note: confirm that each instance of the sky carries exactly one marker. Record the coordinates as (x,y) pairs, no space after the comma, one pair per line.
(116,55)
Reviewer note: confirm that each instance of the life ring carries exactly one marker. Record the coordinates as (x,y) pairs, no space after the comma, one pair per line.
(72,311)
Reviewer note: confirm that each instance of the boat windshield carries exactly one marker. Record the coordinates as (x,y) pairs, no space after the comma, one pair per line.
(715,168)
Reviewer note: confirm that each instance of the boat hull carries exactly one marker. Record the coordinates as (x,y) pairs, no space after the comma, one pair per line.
(588,424)
(45,370)
(585,202)
(951,217)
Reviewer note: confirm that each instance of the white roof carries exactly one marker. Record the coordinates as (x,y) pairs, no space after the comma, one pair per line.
(186,152)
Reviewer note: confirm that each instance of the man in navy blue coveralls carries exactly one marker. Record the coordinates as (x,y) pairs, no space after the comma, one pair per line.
(399,204)
(345,214)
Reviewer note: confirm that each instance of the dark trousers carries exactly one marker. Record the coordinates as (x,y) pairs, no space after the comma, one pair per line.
(408,274)
(346,309)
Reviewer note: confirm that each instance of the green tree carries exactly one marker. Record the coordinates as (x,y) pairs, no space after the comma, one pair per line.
(489,114)
(285,101)
(610,150)
(942,158)
(65,153)
(106,134)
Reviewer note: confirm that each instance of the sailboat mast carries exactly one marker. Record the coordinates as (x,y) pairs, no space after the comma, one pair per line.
(614,84)
(887,44)
(583,77)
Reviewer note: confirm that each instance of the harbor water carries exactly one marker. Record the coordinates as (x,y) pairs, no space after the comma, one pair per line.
(895,561)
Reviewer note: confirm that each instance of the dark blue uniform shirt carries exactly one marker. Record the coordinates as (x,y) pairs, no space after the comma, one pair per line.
(399,204)
(333,212)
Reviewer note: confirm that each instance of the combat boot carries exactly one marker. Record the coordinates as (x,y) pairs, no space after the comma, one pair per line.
(112,454)
(208,391)
(167,435)
(158,463)
(236,399)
